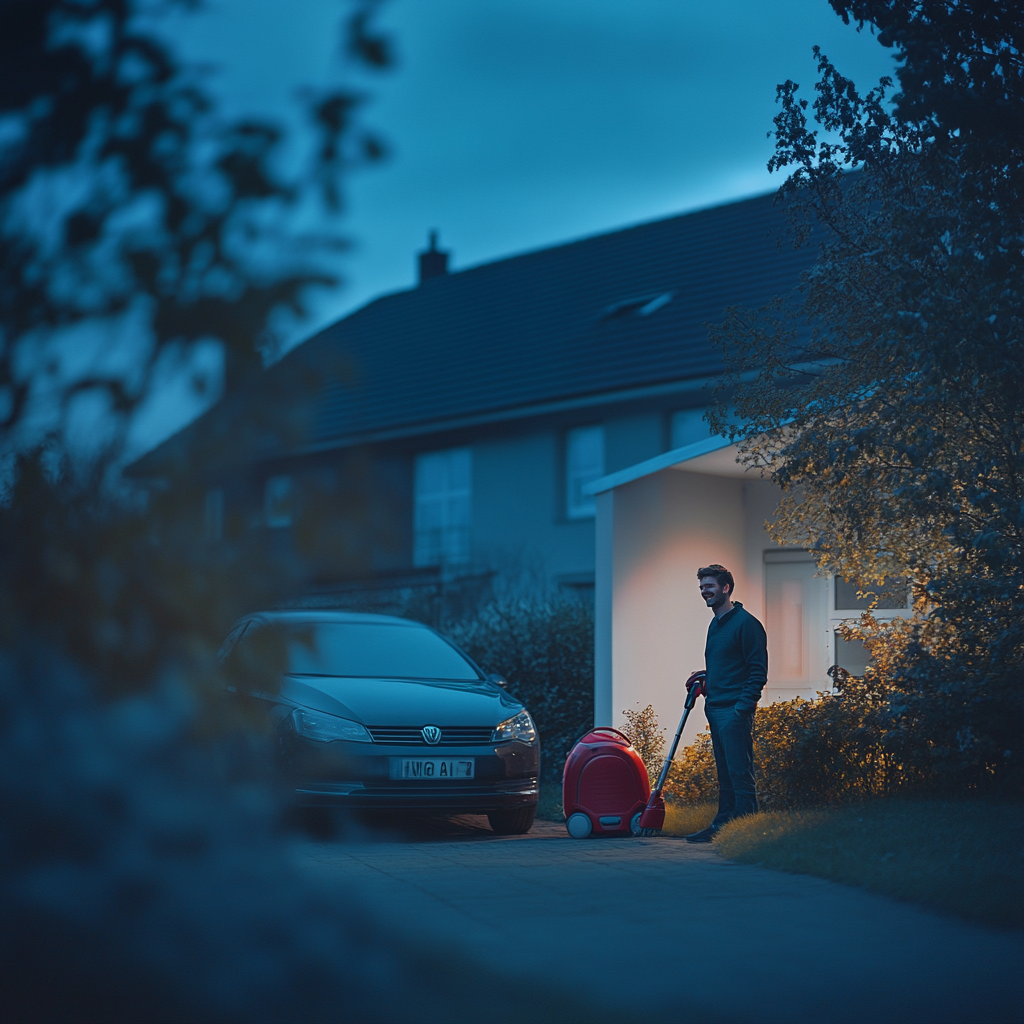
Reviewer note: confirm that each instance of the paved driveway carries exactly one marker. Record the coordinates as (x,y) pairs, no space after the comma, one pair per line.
(662,926)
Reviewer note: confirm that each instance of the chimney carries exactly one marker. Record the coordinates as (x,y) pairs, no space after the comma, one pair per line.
(433,262)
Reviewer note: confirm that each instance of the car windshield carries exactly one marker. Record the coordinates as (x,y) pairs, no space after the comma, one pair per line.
(372,649)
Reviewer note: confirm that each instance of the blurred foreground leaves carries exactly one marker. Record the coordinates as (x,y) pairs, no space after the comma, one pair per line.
(144,867)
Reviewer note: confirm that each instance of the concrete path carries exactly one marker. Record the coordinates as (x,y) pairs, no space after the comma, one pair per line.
(662,927)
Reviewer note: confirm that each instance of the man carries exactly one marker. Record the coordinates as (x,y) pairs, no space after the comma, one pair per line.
(736,663)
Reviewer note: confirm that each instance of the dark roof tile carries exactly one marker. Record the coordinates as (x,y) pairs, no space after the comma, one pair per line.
(534,328)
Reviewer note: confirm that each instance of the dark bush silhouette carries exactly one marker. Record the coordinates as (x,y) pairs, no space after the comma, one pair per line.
(545,649)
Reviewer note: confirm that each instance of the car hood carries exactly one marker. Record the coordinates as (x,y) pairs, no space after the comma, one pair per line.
(413,702)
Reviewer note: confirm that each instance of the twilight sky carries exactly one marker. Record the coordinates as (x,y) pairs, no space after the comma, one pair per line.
(516,124)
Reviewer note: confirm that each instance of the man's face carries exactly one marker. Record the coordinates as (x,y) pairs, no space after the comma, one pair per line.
(712,592)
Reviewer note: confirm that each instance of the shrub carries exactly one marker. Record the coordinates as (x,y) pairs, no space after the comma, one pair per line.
(641,727)
(692,779)
(545,649)
(153,886)
(851,745)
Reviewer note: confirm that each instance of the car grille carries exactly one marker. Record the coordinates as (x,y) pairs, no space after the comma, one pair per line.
(451,735)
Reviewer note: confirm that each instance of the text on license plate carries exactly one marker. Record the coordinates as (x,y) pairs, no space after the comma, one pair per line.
(432,767)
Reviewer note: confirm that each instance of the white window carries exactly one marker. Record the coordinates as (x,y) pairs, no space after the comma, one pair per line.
(687,427)
(277,501)
(443,506)
(215,513)
(893,600)
(796,618)
(584,462)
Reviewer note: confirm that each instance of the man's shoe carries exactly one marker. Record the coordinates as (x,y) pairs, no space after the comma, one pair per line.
(705,835)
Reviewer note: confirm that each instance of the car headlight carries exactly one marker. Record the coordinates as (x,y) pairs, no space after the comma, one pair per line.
(519,727)
(315,725)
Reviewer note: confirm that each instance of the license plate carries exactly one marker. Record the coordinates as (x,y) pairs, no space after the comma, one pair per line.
(432,767)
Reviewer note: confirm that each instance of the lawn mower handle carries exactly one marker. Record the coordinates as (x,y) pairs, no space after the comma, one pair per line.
(691,698)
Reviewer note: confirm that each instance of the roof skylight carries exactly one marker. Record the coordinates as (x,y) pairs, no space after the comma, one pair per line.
(643,305)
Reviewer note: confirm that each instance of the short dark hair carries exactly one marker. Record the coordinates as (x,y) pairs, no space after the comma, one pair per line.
(720,573)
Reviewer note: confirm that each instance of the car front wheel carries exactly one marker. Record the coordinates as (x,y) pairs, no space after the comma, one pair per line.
(512,823)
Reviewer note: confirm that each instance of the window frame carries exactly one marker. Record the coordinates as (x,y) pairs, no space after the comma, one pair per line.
(587,507)
(851,616)
(453,543)
(273,519)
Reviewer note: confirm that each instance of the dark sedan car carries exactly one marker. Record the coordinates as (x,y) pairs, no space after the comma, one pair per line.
(381,712)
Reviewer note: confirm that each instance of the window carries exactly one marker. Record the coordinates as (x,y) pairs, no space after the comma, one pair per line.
(443,507)
(584,463)
(643,305)
(893,601)
(796,618)
(687,427)
(892,594)
(215,513)
(277,501)
(373,650)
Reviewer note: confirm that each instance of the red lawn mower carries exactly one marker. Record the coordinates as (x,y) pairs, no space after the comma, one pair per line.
(605,788)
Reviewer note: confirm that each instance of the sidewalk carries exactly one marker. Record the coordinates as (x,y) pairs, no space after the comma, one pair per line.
(619,919)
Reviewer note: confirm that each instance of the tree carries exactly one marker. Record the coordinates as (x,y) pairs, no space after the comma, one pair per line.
(123,191)
(142,860)
(886,400)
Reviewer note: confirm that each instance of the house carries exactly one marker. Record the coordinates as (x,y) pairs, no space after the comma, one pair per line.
(660,520)
(446,434)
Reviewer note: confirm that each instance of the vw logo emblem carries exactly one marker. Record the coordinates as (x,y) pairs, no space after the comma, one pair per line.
(431,734)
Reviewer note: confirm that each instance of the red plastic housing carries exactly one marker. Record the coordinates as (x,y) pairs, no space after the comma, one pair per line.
(604,778)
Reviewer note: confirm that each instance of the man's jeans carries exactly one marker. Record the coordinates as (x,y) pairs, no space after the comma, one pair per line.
(732,739)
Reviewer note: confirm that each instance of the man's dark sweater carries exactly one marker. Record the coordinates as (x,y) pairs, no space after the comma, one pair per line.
(736,659)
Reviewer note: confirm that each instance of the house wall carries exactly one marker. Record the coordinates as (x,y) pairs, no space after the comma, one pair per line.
(653,534)
(632,439)
(362,499)
(664,527)
(519,524)
(519,493)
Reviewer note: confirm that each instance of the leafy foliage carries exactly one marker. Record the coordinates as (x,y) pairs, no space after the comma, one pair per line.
(887,402)
(142,856)
(693,778)
(143,867)
(545,649)
(125,198)
(641,728)
(835,749)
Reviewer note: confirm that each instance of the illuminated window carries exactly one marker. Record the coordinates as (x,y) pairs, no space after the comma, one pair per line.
(443,507)
(277,501)
(584,463)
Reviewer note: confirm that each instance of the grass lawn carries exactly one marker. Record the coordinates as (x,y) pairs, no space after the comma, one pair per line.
(684,819)
(962,857)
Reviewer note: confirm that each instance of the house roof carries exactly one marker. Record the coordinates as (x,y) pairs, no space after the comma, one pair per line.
(610,313)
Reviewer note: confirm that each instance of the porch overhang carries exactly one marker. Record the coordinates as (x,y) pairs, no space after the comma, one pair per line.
(715,456)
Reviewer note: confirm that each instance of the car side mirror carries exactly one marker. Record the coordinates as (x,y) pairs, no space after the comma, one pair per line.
(494,677)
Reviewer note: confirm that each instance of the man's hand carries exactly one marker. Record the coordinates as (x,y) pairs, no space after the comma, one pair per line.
(697,679)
